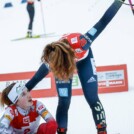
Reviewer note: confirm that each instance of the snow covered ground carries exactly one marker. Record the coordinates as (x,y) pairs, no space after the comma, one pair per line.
(113,46)
(118,107)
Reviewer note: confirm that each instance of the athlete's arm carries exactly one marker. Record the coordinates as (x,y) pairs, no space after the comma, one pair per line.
(94,32)
(39,75)
(43,112)
(5,120)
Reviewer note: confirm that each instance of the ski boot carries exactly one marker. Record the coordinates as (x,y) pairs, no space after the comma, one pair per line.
(29,34)
(101,129)
(61,131)
(102,132)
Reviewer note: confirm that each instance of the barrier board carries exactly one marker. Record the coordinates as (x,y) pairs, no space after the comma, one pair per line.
(110,79)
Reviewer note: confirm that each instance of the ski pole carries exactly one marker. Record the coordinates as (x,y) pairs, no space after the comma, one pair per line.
(42,14)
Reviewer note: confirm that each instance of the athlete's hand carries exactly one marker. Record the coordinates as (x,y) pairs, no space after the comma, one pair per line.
(122,0)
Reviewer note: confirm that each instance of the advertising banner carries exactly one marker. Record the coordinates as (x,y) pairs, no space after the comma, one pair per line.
(111,78)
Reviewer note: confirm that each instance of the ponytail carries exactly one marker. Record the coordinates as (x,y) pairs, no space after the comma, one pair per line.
(4,95)
(61,58)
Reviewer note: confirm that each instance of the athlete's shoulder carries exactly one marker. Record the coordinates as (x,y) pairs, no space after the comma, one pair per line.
(10,108)
(40,106)
(9,113)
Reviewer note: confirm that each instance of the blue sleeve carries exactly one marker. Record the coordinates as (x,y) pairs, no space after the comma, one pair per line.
(38,76)
(94,32)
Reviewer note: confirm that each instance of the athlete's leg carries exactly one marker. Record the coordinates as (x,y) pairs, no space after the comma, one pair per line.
(47,128)
(31,12)
(64,94)
(88,78)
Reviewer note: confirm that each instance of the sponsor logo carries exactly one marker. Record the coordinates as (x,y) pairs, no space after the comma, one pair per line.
(16,98)
(75,81)
(112,83)
(88,38)
(18,91)
(61,81)
(74,40)
(40,107)
(92,31)
(44,113)
(92,79)
(63,92)
(26,120)
(78,50)
(8,117)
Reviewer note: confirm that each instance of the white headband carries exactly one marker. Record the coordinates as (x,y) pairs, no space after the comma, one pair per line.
(15,92)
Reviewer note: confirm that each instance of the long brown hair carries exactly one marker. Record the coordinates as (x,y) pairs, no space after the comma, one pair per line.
(61,58)
(4,95)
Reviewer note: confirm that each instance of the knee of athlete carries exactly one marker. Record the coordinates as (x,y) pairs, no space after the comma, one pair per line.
(96,104)
(52,125)
(64,103)
(92,100)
